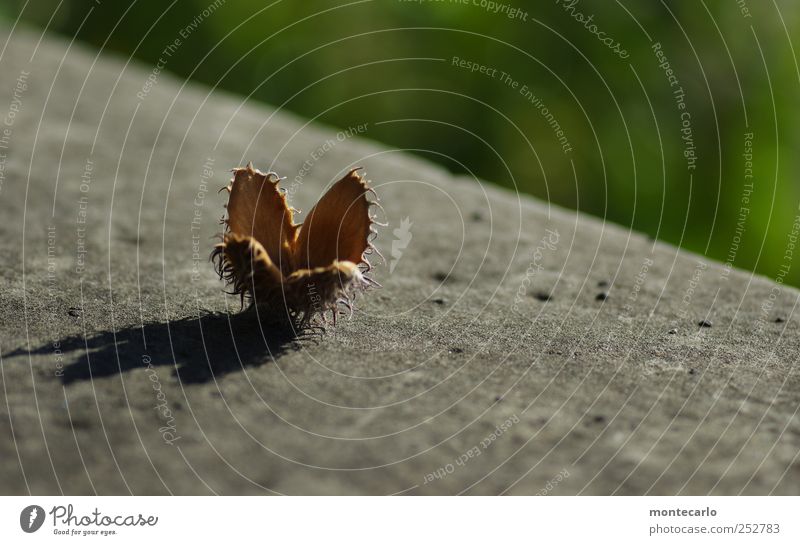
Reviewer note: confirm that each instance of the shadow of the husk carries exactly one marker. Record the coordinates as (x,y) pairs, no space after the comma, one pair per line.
(199,348)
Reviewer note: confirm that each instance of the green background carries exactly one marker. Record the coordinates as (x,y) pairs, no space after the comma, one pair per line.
(388,63)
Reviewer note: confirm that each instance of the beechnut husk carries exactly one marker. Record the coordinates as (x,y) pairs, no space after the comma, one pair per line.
(303,272)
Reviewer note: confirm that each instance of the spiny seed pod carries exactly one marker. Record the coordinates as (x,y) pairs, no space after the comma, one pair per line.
(302,271)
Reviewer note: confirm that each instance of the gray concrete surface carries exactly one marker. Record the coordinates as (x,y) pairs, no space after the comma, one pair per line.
(123,371)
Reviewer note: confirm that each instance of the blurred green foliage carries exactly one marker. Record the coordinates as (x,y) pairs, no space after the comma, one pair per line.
(391,61)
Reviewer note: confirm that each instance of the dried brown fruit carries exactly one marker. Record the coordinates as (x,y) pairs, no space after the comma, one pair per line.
(297,271)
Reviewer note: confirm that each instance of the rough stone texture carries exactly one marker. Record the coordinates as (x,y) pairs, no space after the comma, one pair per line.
(596,388)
